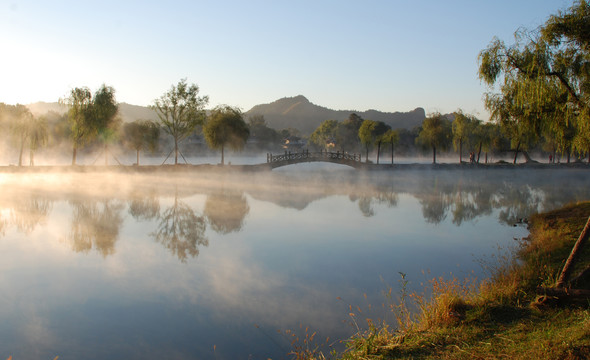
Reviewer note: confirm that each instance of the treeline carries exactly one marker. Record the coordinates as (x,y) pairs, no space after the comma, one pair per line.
(538,97)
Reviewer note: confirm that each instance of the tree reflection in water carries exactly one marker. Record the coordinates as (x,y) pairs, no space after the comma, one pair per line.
(95,224)
(180,230)
(226,210)
(29,212)
(146,207)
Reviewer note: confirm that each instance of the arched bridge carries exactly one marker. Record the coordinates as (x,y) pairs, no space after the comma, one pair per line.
(289,158)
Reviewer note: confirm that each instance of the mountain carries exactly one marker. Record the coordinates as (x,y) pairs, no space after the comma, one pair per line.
(297,112)
(289,112)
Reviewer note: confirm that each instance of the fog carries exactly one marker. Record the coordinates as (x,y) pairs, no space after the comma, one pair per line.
(103,264)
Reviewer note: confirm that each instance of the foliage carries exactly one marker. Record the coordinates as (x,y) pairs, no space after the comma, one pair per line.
(462,127)
(141,135)
(91,117)
(324,136)
(265,136)
(370,133)
(435,133)
(543,81)
(225,126)
(180,111)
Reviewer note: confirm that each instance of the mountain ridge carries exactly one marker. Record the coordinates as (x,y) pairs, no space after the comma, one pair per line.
(298,112)
(287,112)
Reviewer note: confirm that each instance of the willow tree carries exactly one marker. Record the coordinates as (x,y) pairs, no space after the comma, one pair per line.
(180,111)
(462,127)
(225,126)
(141,135)
(104,112)
(90,116)
(370,133)
(20,119)
(435,133)
(544,75)
(38,136)
(390,137)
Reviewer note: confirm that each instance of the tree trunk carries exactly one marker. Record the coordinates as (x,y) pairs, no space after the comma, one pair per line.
(367,153)
(222,156)
(378,151)
(175,152)
(32,158)
(461,151)
(568,157)
(567,268)
(433,154)
(392,154)
(137,162)
(516,152)
(479,151)
(20,155)
(74,155)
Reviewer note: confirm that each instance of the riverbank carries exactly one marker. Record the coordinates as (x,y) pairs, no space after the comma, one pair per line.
(267,167)
(498,318)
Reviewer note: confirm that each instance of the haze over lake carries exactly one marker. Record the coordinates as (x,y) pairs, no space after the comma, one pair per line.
(219,265)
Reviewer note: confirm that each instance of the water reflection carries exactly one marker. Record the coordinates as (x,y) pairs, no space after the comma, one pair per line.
(274,249)
(181,230)
(144,205)
(29,211)
(226,210)
(95,224)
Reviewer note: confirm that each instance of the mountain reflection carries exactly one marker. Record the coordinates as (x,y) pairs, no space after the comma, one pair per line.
(226,210)
(95,224)
(180,230)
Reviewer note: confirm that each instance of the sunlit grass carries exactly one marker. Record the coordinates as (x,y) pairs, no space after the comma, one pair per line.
(490,319)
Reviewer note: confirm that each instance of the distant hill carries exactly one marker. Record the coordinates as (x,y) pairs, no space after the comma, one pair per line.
(297,112)
(127,112)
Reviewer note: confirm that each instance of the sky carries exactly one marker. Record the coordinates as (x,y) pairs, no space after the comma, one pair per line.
(386,55)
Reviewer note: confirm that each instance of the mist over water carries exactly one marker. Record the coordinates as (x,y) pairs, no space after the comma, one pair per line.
(103,265)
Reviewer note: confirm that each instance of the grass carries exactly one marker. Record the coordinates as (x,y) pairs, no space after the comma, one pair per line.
(498,318)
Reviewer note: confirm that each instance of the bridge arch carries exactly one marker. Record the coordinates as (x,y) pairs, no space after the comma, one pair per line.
(289,158)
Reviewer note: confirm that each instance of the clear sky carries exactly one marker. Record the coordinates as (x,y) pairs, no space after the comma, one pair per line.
(388,55)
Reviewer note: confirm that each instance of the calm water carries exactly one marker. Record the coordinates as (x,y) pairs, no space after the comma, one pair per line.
(214,266)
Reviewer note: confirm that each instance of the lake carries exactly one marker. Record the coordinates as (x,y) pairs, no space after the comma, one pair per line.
(223,265)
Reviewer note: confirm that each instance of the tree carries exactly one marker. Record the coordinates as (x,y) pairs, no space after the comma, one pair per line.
(225,126)
(370,134)
(20,125)
(543,78)
(265,137)
(104,112)
(91,117)
(435,133)
(141,135)
(38,136)
(390,137)
(324,136)
(180,111)
(347,133)
(79,102)
(462,127)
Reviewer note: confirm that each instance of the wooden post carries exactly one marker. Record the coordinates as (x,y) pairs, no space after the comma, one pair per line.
(567,268)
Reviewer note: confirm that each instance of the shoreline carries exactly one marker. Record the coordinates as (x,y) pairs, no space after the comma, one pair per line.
(267,167)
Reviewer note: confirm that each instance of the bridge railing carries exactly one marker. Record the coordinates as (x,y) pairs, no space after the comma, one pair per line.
(305,154)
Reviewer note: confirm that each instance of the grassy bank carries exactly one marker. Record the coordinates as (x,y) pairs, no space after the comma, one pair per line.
(497,318)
